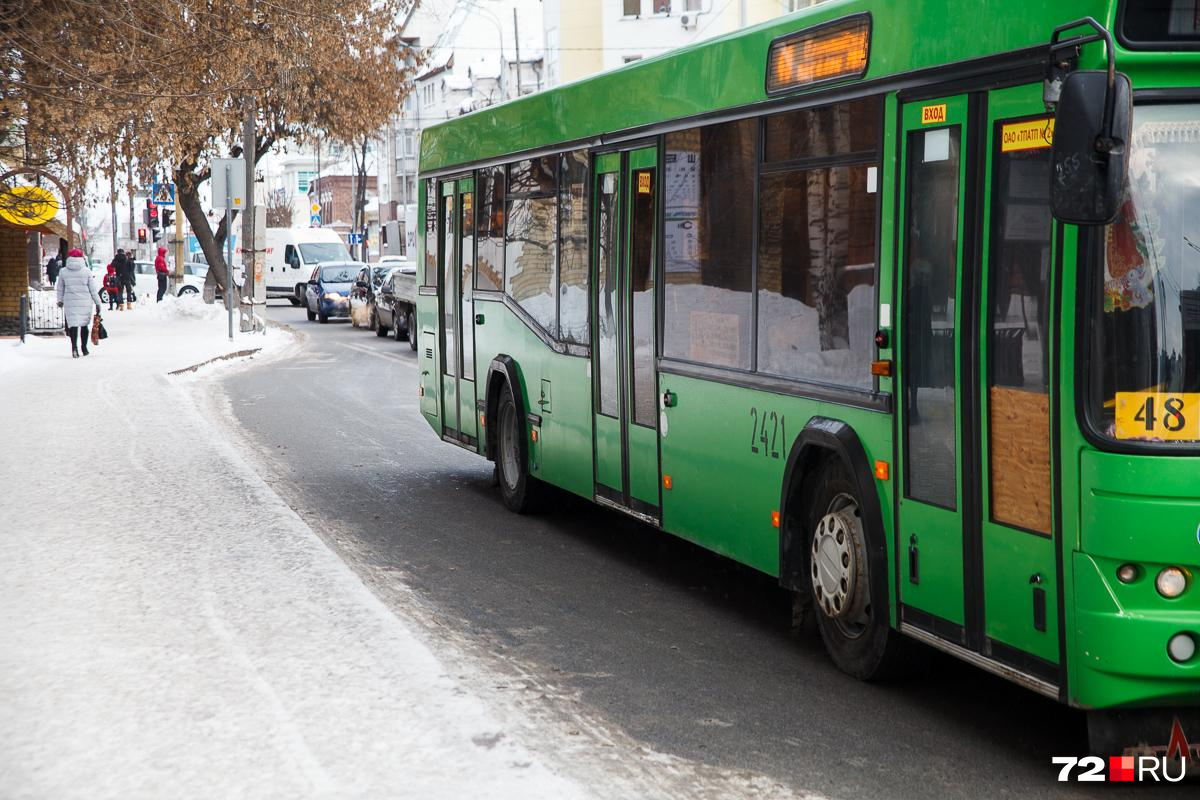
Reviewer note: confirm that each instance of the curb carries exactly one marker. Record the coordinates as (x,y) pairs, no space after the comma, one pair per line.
(226,357)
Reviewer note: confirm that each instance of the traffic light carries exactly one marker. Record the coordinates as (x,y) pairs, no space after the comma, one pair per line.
(166,218)
(141,235)
(156,234)
(151,213)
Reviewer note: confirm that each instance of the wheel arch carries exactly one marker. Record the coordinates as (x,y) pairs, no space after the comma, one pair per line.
(504,370)
(822,440)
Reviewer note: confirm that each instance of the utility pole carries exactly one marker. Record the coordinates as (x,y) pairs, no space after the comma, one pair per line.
(178,242)
(112,199)
(517,48)
(132,210)
(248,243)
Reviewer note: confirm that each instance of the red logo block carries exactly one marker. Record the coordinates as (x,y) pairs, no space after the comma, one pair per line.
(1121,768)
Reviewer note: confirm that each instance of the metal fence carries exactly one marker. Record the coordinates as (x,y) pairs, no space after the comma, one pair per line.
(44,313)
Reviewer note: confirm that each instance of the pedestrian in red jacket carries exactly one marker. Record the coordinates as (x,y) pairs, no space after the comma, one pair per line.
(160,269)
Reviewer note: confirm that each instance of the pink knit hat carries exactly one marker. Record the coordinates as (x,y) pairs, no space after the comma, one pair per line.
(76,253)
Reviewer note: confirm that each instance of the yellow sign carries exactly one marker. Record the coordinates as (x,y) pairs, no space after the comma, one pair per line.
(28,205)
(1158,415)
(643,183)
(1033,134)
(932,114)
(316,208)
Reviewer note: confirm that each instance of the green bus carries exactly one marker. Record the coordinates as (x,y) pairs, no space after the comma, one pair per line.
(829,297)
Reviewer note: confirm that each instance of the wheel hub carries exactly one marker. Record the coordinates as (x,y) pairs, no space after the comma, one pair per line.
(834,562)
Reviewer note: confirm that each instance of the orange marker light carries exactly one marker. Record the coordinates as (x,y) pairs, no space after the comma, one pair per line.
(666,481)
(881,368)
(482,421)
(775,519)
(881,470)
(533,434)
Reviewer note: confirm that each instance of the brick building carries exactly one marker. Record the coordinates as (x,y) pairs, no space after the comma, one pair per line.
(17,271)
(335,194)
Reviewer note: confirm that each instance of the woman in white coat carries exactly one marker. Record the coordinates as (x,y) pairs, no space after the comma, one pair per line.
(78,298)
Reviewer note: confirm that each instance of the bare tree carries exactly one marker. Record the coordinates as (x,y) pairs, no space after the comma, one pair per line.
(279,209)
(82,102)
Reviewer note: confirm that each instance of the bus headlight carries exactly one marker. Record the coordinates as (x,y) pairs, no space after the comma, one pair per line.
(1171,582)
(1181,647)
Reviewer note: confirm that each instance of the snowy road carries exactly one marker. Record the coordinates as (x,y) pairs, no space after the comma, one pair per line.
(668,669)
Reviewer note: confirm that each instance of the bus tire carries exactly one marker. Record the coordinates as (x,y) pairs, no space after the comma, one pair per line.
(856,632)
(518,488)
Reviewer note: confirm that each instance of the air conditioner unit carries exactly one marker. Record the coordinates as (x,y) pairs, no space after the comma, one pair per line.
(688,21)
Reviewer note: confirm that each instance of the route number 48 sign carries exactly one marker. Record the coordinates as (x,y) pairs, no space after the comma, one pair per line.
(1158,415)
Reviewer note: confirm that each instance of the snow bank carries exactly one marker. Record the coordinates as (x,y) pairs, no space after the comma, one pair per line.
(167,336)
(171,628)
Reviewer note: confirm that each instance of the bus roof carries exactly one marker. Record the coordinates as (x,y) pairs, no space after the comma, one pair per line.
(729,72)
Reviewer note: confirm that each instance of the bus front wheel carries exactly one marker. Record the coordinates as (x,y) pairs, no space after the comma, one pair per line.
(854,626)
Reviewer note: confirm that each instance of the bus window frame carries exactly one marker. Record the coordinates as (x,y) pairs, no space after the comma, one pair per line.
(1089,281)
(871,399)
(1139,45)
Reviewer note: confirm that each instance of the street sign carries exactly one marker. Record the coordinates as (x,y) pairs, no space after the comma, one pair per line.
(228,183)
(315,220)
(355,237)
(316,209)
(162,194)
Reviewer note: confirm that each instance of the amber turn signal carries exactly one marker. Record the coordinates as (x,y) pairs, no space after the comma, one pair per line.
(533,434)
(666,481)
(881,470)
(882,368)
(775,519)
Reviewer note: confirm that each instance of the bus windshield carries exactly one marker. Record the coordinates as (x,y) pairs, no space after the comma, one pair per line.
(314,252)
(1146,317)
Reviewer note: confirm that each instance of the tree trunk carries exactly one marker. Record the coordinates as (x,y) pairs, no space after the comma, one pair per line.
(187,189)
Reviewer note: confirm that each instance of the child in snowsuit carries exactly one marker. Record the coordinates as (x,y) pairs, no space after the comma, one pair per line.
(112,285)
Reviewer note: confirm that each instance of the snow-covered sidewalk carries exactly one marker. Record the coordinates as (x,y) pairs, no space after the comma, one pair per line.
(170,628)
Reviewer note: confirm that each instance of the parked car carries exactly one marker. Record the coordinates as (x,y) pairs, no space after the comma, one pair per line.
(328,291)
(363,296)
(396,306)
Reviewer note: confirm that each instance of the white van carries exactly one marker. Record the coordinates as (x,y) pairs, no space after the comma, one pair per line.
(291,255)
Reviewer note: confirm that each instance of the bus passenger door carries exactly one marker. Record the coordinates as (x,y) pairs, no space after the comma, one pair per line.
(456,223)
(929,528)
(624,351)
(976,557)
(464,285)
(1017,542)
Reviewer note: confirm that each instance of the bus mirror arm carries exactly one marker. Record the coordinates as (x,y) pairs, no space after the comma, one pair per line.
(1093,124)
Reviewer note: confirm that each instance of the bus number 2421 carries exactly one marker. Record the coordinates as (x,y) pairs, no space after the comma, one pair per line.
(768,432)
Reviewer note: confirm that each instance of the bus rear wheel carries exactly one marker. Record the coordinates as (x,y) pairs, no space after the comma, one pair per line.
(854,626)
(517,487)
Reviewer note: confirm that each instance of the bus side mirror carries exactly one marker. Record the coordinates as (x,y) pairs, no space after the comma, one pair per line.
(1090,154)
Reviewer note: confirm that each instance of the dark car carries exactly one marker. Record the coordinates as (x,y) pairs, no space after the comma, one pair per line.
(328,292)
(364,294)
(396,307)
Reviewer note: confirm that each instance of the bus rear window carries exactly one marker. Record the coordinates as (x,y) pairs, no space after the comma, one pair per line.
(1160,24)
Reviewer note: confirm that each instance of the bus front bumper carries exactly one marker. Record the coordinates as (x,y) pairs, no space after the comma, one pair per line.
(1122,639)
